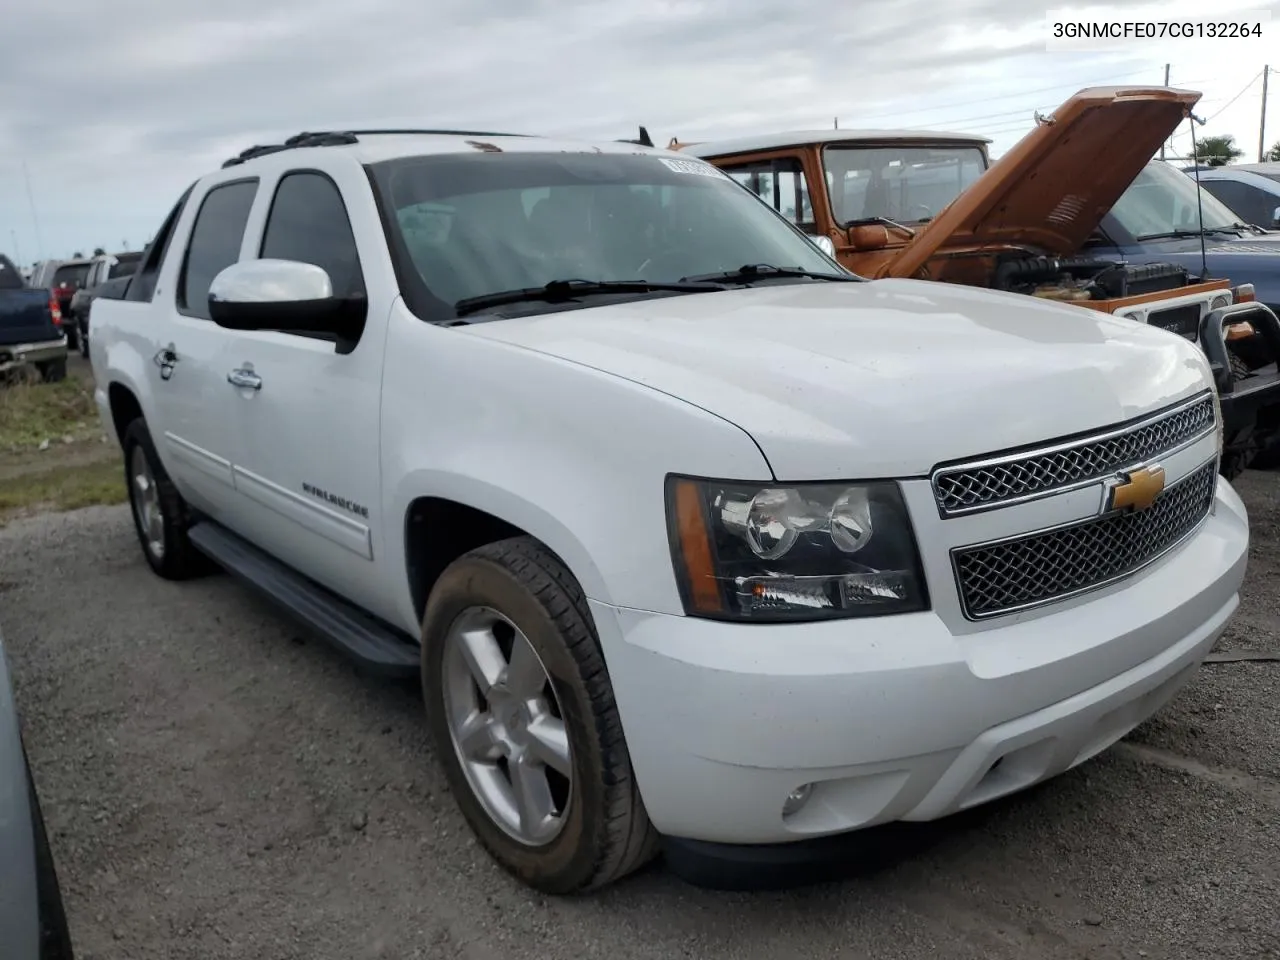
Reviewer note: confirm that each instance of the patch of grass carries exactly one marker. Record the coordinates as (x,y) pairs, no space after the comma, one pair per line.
(32,412)
(63,487)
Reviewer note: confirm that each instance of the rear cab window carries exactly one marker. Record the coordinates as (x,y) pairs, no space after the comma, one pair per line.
(71,277)
(10,278)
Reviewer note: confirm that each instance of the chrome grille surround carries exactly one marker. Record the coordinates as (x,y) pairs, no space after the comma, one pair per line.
(1003,480)
(1030,570)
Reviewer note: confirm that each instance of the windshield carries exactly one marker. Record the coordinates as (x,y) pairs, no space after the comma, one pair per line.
(472,225)
(905,182)
(71,277)
(1162,200)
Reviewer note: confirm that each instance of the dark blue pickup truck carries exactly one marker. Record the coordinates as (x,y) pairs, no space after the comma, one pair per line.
(1158,220)
(1164,218)
(30,327)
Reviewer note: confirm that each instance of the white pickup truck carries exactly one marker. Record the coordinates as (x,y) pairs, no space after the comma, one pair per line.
(693,538)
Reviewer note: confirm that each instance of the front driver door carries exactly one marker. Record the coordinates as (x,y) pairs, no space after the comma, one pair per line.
(307,466)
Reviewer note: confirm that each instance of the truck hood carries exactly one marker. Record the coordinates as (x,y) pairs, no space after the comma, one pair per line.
(1053,188)
(879,379)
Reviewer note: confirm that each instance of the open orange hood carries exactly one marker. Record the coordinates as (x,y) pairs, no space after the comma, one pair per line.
(1054,187)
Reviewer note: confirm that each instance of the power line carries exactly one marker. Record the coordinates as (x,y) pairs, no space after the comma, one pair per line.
(1007,96)
(1217,113)
(941,124)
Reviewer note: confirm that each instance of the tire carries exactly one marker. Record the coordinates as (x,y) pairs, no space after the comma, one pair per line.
(604,831)
(73,336)
(53,371)
(164,545)
(82,333)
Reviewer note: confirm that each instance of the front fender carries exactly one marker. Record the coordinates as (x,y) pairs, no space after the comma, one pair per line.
(573,456)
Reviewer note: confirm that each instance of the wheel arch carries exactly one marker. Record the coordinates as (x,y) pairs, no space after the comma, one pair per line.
(461,514)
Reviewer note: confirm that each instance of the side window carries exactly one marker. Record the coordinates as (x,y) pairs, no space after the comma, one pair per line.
(1248,202)
(308,222)
(215,243)
(780,183)
(143,285)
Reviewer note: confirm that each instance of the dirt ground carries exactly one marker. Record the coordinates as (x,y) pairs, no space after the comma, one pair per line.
(217,786)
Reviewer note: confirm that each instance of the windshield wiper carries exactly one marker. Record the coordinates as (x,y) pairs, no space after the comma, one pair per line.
(862,221)
(558,290)
(763,271)
(1168,235)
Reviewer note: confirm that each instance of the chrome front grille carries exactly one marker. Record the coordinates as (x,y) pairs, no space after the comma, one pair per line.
(1002,480)
(1026,571)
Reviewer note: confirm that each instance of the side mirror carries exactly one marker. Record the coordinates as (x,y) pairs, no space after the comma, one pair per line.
(1275,218)
(283,295)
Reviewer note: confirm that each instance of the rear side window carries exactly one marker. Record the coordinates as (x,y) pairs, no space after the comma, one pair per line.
(308,222)
(143,286)
(781,184)
(215,243)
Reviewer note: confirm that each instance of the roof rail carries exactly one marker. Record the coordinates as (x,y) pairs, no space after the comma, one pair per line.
(643,140)
(338,138)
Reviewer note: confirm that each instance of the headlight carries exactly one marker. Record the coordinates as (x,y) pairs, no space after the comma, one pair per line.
(793,551)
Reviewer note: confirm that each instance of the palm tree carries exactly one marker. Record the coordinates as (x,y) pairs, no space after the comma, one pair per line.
(1273,155)
(1218,151)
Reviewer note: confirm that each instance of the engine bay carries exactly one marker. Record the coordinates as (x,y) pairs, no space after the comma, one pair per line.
(1086,278)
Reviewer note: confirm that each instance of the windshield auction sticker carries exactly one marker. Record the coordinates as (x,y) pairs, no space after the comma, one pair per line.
(695,167)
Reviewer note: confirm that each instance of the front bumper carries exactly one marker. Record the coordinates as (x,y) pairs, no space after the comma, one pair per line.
(16,355)
(899,718)
(1243,400)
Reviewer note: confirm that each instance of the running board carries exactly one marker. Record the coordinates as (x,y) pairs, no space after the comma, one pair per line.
(375,646)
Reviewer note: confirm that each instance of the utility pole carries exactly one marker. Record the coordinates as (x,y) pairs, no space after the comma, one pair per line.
(1262,123)
(35,219)
(1166,83)
(837,123)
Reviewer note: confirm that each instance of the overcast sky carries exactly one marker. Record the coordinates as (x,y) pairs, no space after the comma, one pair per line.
(115,107)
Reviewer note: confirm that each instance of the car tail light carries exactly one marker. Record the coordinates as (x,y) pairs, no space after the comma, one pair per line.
(55,312)
(1244,293)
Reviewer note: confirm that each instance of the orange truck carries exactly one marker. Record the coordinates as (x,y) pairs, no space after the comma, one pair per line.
(930,205)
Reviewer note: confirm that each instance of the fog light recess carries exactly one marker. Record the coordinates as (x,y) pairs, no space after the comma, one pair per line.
(796,799)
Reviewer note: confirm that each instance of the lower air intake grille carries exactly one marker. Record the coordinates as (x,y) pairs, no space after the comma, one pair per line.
(998,578)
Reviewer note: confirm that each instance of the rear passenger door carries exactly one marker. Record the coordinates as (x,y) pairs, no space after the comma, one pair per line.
(188,354)
(307,466)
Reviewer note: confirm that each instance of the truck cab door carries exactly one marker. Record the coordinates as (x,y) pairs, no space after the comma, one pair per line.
(305,410)
(192,406)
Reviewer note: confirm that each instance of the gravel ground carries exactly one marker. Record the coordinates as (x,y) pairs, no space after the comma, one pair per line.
(217,786)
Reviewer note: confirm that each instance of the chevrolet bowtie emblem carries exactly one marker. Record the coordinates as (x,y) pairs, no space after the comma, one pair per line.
(1135,490)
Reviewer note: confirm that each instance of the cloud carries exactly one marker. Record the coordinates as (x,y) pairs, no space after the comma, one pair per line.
(152,94)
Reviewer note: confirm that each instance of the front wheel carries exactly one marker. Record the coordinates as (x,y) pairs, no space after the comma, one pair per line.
(522,717)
